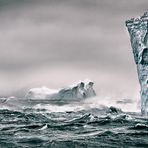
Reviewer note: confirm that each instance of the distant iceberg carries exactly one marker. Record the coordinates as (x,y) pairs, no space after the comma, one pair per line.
(81,90)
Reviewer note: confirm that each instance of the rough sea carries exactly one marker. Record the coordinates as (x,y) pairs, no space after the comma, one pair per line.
(84,124)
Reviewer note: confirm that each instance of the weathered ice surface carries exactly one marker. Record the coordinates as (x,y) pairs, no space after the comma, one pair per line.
(138,30)
(81,90)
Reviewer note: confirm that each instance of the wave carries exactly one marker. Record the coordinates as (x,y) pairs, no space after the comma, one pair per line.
(140,126)
(89,127)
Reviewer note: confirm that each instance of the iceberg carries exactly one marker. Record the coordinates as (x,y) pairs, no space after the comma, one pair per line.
(138,31)
(81,90)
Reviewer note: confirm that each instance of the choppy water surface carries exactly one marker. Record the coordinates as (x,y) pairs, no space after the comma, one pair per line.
(63,126)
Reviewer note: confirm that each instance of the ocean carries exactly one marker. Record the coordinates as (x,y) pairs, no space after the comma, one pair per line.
(44,124)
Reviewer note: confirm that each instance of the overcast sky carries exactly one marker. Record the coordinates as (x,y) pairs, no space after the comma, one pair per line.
(54,43)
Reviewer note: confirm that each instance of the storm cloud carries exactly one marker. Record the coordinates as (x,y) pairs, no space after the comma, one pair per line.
(58,42)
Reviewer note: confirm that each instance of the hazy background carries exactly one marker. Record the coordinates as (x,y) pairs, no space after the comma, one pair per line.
(54,43)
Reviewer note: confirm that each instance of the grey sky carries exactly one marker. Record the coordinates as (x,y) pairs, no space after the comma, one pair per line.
(57,42)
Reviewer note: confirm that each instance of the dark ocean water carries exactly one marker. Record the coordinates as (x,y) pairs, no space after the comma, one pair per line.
(31,127)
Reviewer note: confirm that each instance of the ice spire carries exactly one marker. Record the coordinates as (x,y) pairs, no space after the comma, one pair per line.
(138,30)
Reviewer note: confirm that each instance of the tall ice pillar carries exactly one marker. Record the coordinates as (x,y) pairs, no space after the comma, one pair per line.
(138,31)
